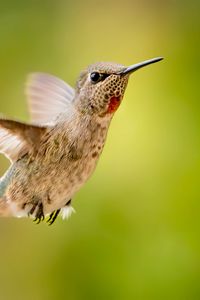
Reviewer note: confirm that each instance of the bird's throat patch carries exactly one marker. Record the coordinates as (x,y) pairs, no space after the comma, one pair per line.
(114,104)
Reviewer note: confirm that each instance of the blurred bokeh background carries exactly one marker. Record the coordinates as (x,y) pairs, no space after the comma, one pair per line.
(136,233)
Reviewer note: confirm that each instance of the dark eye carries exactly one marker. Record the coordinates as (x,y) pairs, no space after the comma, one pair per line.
(96,77)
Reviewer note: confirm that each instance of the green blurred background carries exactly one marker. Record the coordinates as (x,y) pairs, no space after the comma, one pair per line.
(136,233)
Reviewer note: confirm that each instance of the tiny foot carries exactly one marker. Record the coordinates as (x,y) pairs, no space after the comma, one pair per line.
(39,216)
(53,216)
(36,209)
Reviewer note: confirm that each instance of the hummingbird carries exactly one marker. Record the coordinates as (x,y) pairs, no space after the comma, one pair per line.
(55,154)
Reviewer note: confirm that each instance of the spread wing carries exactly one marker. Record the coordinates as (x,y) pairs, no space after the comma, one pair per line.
(16,138)
(48,96)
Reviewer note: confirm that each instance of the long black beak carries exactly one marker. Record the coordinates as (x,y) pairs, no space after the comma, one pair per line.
(135,67)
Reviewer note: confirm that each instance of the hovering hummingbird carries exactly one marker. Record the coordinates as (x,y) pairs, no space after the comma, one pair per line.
(54,155)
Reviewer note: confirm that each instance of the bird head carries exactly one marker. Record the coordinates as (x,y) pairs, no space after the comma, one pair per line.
(100,88)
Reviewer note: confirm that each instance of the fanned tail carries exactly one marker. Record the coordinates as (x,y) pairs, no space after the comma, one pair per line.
(5,210)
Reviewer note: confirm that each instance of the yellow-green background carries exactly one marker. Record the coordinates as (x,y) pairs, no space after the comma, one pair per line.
(136,233)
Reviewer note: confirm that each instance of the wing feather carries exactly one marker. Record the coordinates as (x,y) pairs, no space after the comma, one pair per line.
(18,138)
(48,96)
(10,145)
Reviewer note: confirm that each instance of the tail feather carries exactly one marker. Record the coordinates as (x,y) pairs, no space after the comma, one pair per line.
(5,210)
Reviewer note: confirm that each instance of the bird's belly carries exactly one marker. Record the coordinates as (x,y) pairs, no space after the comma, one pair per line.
(54,186)
(52,180)
(68,182)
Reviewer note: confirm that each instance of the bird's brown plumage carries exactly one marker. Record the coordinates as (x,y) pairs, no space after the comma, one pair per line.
(56,154)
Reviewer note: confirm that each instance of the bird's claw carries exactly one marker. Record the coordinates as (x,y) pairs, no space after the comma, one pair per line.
(53,216)
(39,216)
